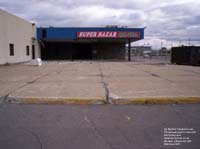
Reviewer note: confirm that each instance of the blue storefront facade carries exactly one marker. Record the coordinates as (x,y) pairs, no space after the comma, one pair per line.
(86,42)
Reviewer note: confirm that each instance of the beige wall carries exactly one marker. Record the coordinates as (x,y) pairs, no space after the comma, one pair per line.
(18,32)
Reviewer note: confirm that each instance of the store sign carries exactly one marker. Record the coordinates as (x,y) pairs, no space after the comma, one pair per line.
(108,34)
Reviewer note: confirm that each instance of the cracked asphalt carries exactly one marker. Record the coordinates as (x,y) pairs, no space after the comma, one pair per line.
(95,126)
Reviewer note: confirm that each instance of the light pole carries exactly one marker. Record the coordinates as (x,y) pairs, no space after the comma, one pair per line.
(161,45)
(189,42)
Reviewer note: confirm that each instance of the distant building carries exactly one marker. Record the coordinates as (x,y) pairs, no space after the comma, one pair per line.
(140,50)
(155,52)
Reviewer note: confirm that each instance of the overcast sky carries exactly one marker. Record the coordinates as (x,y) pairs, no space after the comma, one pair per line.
(171,21)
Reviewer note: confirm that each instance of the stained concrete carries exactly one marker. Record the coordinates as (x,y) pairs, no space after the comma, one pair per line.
(99,80)
(151,81)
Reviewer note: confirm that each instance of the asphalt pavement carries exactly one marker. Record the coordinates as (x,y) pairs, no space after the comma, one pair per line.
(95,126)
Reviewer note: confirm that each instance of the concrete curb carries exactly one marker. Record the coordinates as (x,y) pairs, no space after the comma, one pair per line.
(160,100)
(1,99)
(91,101)
(63,101)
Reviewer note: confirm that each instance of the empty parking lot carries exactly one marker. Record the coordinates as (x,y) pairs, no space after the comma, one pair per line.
(97,82)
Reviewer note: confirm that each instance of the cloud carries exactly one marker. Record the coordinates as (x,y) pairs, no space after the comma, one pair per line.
(166,20)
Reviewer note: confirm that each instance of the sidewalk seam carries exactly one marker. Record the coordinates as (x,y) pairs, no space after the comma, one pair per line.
(105,85)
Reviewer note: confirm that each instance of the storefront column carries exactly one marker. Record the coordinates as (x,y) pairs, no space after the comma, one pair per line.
(129,49)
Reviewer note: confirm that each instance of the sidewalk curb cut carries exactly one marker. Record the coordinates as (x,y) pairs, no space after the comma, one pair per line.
(155,100)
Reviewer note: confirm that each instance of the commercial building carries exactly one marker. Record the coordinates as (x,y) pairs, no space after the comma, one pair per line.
(86,43)
(21,41)
(18,39)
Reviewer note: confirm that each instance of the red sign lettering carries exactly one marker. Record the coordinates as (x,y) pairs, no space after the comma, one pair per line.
(108,34)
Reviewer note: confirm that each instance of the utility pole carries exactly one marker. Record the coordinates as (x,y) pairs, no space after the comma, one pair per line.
(189,42)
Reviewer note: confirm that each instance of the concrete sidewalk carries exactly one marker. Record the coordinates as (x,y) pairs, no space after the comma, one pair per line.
(100,82)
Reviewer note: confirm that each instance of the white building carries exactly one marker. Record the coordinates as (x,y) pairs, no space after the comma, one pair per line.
(18,39)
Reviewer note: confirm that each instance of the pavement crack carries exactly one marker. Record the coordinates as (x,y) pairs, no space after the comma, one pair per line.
(7,99)
(128,141)
(190,71)
(152,74)
(105,85)
(36,137)
(180,114)
(97,132)
(158,76)
(33,81)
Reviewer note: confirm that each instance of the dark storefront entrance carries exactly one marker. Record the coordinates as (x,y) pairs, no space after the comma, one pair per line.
(63,50)
(82,51)
(66,51)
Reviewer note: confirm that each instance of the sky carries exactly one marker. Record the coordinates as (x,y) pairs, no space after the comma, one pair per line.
(168,22)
